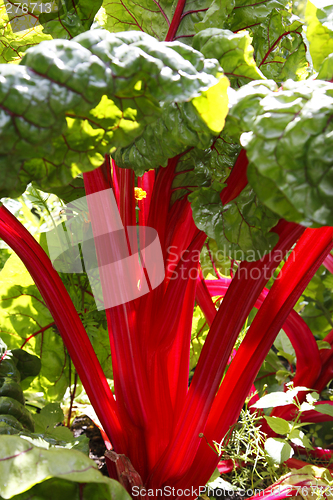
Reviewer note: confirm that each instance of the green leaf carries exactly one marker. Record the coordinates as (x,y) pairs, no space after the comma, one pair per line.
(155,17)
(274,399)
(37,465)
(198,336)
(12,389)
(48,417)
(278,450)
(240,228)
(279,47)
(319,30)
(23,314)
(18,33)
(27,364)
(326,409)
(181,126)
(247,13)
(59,118)
(9,406)
(233,51)
(287,140)
(278,425)
(300,439)
(70,18)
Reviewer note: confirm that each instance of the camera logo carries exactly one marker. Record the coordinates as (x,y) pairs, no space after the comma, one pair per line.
(122,263)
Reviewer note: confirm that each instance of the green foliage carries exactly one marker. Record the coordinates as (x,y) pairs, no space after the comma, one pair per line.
(246,14)
(106,90)
(25,320)
(233,51)
(241,227)
(198,336)
(180,127)
(155,18)
(13,45)
(14,367)
(280,48)
(58,471)
(70,18)
(319,30)
(287,140)
(316,303)
(244,445)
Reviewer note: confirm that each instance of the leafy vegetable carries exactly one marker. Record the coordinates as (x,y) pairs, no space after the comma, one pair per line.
(24,465)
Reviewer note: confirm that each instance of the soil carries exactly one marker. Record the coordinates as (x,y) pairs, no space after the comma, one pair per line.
(84,425)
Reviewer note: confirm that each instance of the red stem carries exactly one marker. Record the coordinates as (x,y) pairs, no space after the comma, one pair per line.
(67,320)
(295,276)
(175,21)
(237,179)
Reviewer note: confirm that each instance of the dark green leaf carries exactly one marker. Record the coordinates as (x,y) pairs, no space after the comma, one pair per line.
(240,228)
(288,143)
(27,364)
(70,17)
(60,118)
(9,406)
(247,14)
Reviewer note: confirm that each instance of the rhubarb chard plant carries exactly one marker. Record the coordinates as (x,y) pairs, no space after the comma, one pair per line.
(203,127)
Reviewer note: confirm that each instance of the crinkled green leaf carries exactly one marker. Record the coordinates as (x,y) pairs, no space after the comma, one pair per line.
(233,51)
(279,47)
(288,141)
(71,101)
(27,364)
(200,168)
(319,30)
(180,127)
(240,228)
(10,406)
(155,17)
(69,18)
(12,389)
(48,417)
(23,465)
(248,13)
(18,32)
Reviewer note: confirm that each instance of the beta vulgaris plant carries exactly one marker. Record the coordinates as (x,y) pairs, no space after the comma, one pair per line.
(221,112)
